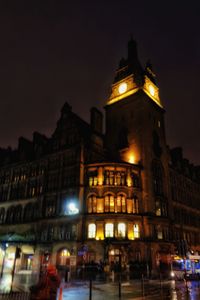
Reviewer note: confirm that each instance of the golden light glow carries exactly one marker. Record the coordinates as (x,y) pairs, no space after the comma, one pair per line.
(109,230)
(91,231)
(121,230)
(131,159)
(100,176)
(65,252)
(100,231)
(122,87)
(122,96)
(151,90)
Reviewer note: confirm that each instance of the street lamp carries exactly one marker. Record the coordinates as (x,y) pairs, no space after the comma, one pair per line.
(72,208)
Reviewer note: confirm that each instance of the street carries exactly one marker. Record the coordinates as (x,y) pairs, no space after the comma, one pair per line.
(152,289)
(133,289)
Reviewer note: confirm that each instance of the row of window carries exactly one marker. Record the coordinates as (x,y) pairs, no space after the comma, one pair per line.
(109,231)
(192,238)
(21,190)
(123,230)
(186,218)
(19,214)
(61,232)
(116,178)
(112,204)
(19,175)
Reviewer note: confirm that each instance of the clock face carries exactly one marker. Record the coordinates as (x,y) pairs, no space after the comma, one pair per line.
(122,87)
(151,90)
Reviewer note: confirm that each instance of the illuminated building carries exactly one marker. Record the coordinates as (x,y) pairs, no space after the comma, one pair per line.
(82,196)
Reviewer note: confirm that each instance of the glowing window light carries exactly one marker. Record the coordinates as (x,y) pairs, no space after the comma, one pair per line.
(131,159)
(136,231)
(121,230)
(109,232)
(91,231)
(65,252)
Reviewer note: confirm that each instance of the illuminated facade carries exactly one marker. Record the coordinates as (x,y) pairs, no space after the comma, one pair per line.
(83,196)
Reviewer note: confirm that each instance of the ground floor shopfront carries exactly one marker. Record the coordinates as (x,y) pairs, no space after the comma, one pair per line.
(133,257)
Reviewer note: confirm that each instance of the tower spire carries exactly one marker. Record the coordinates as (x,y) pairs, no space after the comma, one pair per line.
(132,50)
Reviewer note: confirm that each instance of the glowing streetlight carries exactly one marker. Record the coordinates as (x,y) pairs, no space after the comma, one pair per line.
(73,208)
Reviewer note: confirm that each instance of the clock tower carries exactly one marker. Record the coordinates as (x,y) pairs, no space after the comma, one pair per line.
(135,131)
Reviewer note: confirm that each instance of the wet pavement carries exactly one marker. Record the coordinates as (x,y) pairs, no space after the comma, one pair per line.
(151,290)
(133,289)
(20,283)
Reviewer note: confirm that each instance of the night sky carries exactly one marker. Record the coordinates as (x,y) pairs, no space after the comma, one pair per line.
(57,51)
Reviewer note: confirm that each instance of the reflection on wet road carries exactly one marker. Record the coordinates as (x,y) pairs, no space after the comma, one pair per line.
(150,290)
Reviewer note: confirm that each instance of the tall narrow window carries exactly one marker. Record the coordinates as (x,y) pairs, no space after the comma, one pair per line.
(91,231)
(109,230)
(121,203)
(92,204)
(157,171)
(121,230)
(109,203)
(136,231)
(159,233)
(112,204)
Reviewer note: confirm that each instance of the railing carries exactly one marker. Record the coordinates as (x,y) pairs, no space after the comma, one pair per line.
(15,296)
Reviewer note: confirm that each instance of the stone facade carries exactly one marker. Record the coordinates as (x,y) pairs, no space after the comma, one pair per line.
(82,196)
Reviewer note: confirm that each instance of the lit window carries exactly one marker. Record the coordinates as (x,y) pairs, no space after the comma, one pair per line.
(136,231)
(121,230)
(91,231)
(159,234)
(92,204)
(63,257)
(93,180)
(135,205)
(112,204)
(109,230)
(121,203)
(109,203)
(158,208)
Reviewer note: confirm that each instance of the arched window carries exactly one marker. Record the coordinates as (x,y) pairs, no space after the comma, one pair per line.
(91,231)
(121,203)
(121,230)
(136,231)
(92,204)
(109,204)
(158,173)
(2,215)
(109,230)
(63,257)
